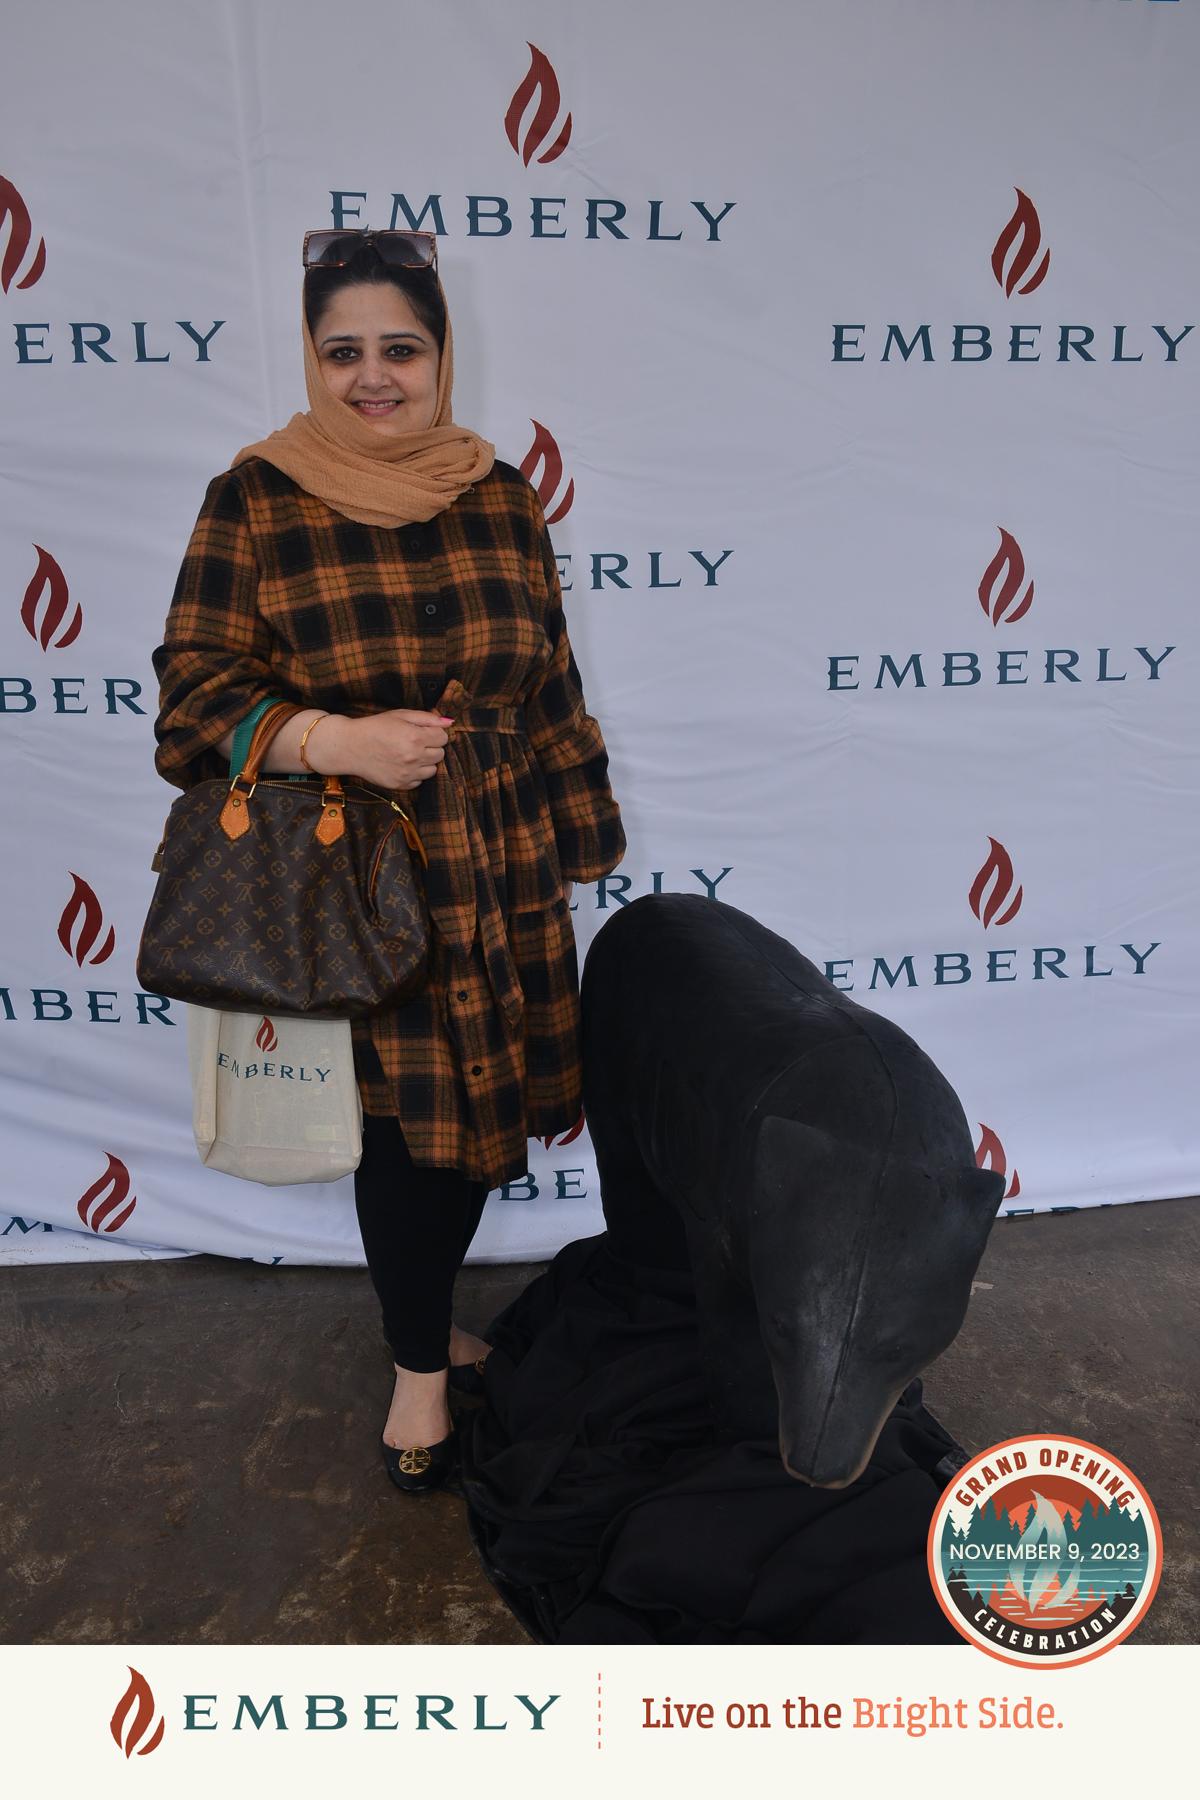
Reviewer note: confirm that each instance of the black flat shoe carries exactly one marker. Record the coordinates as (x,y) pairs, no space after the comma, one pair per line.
(422,1468)
(467,1378)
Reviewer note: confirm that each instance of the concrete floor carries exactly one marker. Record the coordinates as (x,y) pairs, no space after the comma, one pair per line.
(190,1447)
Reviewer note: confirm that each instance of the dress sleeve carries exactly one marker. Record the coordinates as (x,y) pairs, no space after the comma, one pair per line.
(214,664)
(570,750)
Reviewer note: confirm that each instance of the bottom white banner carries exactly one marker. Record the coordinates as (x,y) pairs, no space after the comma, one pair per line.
(180,1719)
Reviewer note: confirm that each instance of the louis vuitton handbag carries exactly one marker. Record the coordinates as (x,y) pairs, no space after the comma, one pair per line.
(281,895)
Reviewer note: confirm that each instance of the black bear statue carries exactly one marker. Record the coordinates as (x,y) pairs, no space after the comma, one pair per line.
(800,1154)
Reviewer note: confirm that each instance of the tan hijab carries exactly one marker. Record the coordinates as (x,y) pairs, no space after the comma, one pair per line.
(366,474)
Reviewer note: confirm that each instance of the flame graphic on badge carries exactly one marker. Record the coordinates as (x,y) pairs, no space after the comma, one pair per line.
(568,1137)
(137,1695)
(542,82)
(48,591)
(998,871)
(15,214)
(265,1036)
(103,1199)
(1023,237)
(83,911)
(989,1154)
(1002,582)
(544,451)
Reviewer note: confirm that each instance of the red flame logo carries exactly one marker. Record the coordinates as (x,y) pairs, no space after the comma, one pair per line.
(544,451)
(1023,237)
(49,587)
(1002,582)
(97,1207)
(84,910)
(568,1137)
(997,870)
(265,1037)
(542,82)
(137,1695)
(15,213)
(989,1154)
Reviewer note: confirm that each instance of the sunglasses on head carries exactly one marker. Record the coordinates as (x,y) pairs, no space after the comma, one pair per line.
(400,249)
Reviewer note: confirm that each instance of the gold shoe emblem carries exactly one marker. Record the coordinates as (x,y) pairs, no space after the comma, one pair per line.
(415,1461)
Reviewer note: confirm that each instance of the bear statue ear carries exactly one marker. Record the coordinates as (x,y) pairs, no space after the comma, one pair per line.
(978,1191)
(788,1150)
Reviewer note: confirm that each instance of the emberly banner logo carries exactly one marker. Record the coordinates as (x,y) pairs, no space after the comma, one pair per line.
(44,608)
(542,465)
(15,215)
(1020,261)
(538,99)
(540,89)
(989,1154)
(55,623)
(107,1204)
(1006,594)
(88,939)
(650,572)
(993,897)
(89,338)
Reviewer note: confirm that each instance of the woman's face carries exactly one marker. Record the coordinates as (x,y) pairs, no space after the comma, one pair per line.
(378,358)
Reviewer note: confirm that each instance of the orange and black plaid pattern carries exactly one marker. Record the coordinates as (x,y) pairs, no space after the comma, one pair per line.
(279,594)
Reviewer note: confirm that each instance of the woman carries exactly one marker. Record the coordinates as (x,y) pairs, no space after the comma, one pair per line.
(374,563)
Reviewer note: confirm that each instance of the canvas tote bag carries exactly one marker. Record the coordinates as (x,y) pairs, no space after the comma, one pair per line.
(274,1097)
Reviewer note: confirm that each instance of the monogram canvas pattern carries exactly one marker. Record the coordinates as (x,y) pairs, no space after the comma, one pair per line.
(280,595)
(274,920)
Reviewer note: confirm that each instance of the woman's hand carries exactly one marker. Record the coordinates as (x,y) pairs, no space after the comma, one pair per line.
(397,749)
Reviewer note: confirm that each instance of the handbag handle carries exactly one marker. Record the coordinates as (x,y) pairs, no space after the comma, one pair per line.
(235,814)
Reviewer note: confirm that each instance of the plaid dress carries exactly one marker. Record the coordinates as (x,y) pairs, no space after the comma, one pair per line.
(280,595)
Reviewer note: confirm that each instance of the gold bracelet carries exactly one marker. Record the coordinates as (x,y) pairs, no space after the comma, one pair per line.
(304,740)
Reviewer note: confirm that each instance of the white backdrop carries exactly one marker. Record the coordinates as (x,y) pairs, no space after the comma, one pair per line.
(878,527)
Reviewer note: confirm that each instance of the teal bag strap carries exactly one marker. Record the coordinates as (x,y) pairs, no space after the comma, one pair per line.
(245,731)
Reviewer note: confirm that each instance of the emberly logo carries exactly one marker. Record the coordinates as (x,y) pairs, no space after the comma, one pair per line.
(265,1037)
(540,84)
(1016,248)
(48,592)
(989,1154)
(994,898)
(997,870)
(128,1732)
(543,466)
(1005,595)
(47,614)
(81,928)
(545,139)
(15,214)
(107,1204)
(83,916)
(1002,583)
(1020,265)
(544,454)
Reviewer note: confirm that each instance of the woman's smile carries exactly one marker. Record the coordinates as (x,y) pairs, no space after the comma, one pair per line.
(378,358)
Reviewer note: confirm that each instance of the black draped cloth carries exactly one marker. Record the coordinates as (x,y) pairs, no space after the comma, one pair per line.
(605,1510)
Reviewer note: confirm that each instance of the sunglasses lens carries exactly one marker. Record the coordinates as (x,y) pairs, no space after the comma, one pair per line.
(330,249)
(402,249)
(406,249)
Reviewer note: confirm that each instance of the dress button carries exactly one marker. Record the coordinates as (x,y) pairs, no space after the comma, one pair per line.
(477,1070)
(462,993)
(430,607)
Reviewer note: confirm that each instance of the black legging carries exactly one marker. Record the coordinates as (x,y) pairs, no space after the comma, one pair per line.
(416,1225)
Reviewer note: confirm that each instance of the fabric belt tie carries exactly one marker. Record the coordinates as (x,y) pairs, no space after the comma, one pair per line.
(460,889)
